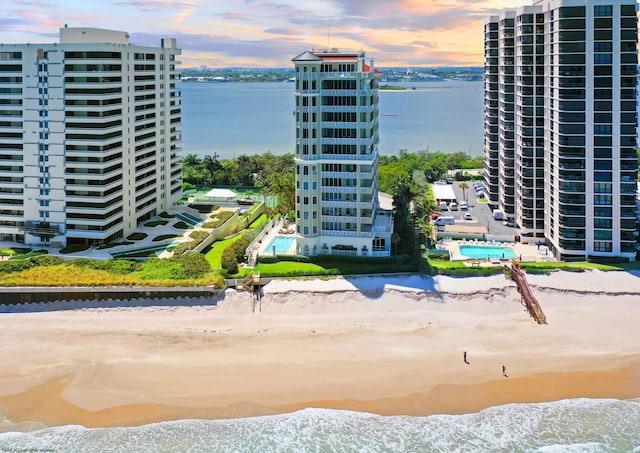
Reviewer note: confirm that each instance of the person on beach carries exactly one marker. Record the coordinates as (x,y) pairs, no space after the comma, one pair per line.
(464,356)
(504,371)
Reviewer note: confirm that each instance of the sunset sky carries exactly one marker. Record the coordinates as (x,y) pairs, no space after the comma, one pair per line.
(268,33)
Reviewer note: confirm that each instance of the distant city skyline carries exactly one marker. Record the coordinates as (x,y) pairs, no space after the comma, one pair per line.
(268,33)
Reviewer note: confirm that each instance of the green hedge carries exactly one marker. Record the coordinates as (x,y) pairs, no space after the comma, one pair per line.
(7,267)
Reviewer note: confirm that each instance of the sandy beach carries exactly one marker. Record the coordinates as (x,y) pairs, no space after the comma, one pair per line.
(388,345)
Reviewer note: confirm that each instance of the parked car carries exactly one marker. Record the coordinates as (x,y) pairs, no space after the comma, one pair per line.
(463,206)
(449,180)
(453,206)
(467,216)
(445,220)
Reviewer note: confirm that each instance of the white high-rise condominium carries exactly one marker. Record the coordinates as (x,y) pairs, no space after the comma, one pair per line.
(89,136)
(561,123)
(336,156)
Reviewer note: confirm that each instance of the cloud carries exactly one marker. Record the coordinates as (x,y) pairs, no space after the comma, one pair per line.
(155,5)
(235,15)
(235,49)
(284,31)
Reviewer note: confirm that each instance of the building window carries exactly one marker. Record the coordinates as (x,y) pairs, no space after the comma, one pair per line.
(602,11)
(44,192)
(305,215)
(602,58)
(306,230)
(314,185)
(602,129)
(43,203)
(602,223)
(44,214)
(602,235)
(602,200)
(602,187)
(602,212)
(599,246)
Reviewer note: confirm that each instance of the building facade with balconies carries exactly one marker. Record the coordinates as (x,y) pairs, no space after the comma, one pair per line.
(336,156)
(565,167)
(89,137)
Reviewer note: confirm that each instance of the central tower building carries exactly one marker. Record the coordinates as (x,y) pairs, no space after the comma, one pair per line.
(337,156)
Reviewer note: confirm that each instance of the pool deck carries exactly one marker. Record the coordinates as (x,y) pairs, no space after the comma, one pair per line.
(524,252)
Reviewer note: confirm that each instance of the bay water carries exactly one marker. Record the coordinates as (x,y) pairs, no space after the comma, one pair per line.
(234,118)
(575,425)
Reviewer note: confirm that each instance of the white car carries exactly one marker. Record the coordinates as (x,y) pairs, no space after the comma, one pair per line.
(467,216)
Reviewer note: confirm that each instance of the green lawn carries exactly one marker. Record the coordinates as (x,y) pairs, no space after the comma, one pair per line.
(459,268)
(214,256)
(330,266)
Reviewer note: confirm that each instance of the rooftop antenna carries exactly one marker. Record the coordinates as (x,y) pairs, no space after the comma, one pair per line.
(328,38)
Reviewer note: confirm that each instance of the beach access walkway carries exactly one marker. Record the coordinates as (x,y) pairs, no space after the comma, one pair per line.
(526,296)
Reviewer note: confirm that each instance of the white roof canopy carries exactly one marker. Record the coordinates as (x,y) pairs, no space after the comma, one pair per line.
(221,193)
(443,192)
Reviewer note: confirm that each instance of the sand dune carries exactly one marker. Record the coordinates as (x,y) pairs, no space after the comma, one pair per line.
(387,345)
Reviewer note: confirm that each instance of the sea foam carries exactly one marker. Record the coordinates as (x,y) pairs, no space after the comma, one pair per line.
(577,425)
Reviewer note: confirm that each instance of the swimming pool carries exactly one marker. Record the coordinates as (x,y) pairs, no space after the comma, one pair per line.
(282,244)
(486,251)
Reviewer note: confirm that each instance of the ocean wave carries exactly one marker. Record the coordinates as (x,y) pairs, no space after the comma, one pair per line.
(575,425)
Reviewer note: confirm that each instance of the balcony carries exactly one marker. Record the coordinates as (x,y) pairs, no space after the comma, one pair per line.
(41,229)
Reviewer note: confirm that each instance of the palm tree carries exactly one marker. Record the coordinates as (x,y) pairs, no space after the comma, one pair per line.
(211,164)
(464,186)
(191,160)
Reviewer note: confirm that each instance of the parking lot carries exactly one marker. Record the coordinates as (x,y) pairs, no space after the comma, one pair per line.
(481,214)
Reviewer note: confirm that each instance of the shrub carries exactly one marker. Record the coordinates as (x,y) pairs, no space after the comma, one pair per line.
(46,260)
(166,215)
(166,236)
(155,223)
(137,236)
(199,236)
(181,226)
(8,267)
(187,186)
(114,244)
(230,263)
(219,219)
(204,208)
(161,269)
(74,248)
(194,264)
(267,259)
(183,247)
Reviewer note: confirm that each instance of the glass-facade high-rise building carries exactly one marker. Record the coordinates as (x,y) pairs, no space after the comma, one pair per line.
(336,156)
(561,123)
